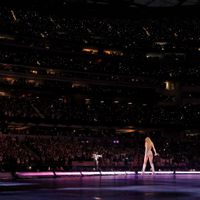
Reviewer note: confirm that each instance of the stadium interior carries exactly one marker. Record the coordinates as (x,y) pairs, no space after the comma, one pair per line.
(78,77)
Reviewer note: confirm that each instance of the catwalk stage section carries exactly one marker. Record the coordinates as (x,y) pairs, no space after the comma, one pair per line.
(110,187)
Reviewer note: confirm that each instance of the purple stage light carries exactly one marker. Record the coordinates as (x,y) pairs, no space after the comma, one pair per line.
(68,173)
(100,173)
(34,174)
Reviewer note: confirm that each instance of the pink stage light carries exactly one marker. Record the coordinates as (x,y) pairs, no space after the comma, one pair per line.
(187,172)
(99,173)
(68,173)
(31,174)
(120,173)
(157,172)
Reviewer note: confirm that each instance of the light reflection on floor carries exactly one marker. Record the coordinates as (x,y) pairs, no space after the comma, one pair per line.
(179,187)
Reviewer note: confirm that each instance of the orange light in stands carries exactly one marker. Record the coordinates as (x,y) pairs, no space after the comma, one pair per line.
(108,52)
(169,85)
(113,52)
(99,60)
(51,71)
(9,80)
(140,131)
(130,131)
(124,130)
(3,93)
(90,50)
(78,85)
(30,81)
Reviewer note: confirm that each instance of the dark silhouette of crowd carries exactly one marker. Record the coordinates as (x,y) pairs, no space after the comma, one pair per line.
(62,152)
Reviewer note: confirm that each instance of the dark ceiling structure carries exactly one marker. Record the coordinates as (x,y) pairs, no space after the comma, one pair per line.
(146,3)
(127,3)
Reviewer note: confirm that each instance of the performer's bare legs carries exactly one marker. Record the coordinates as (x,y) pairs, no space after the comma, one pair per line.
(150,158)
(144,164)
(151,163)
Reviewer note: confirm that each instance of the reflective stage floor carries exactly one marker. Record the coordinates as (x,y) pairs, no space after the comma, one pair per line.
(126,187)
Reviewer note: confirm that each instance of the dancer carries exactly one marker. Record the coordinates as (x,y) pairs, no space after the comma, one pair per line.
(96,157)
(149,154)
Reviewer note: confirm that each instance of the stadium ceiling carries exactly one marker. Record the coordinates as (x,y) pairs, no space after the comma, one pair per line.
(146,3)
(112,3)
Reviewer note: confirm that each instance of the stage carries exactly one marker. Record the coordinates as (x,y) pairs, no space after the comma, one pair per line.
(109,187)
